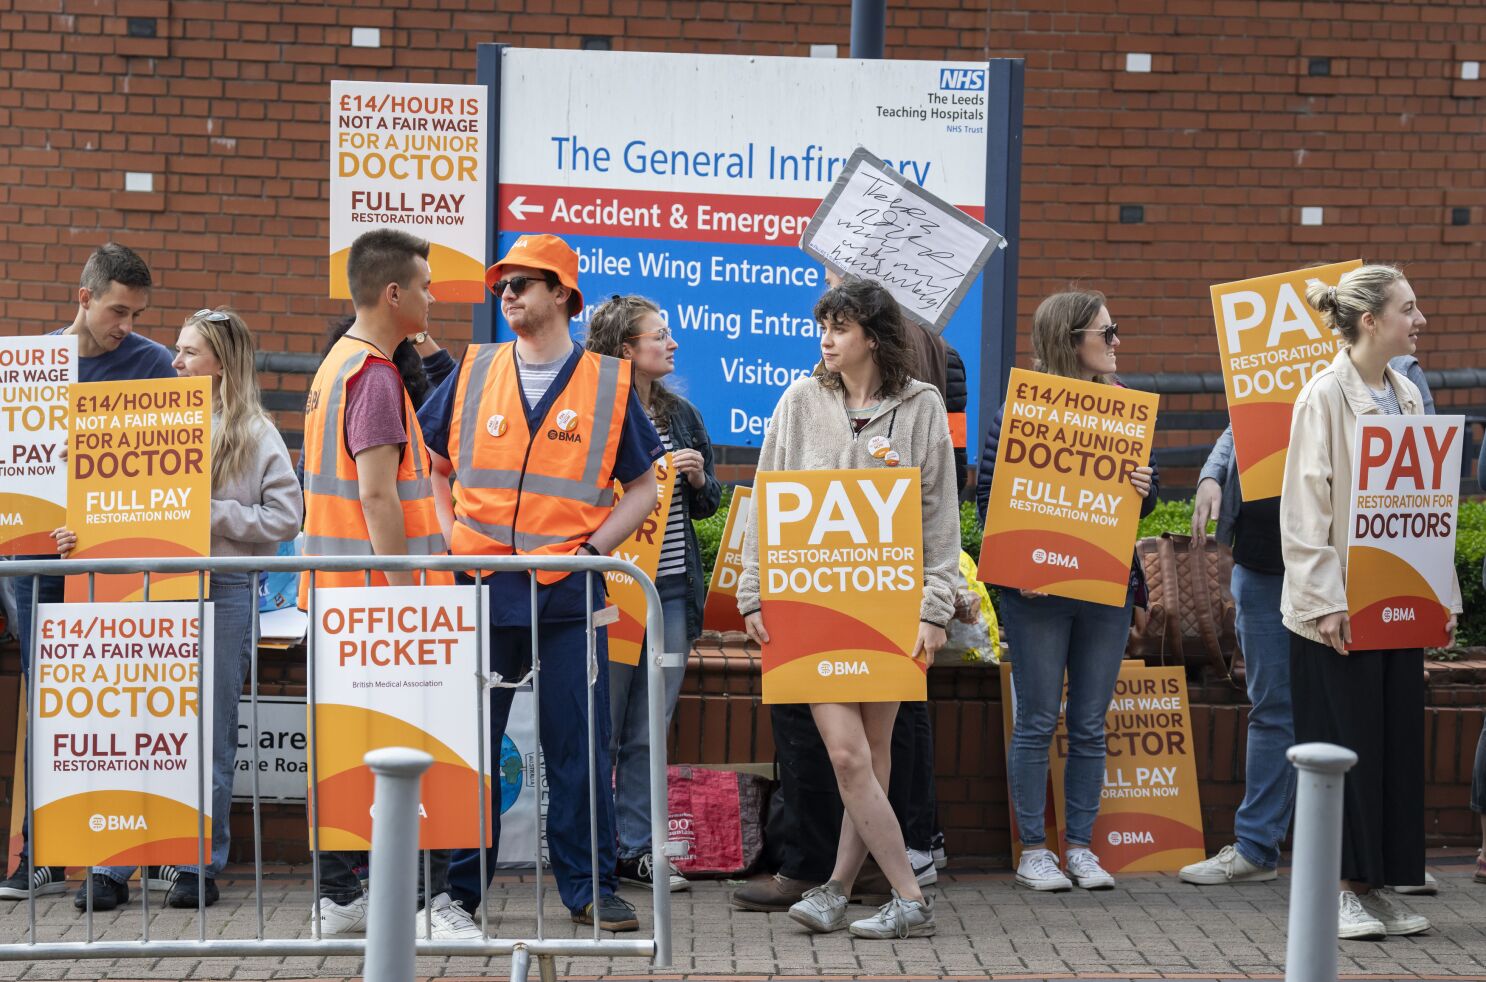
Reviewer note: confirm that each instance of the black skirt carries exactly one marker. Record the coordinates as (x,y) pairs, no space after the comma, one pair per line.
(1372,703)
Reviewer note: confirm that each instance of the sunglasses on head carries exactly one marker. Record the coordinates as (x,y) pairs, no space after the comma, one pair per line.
(207,314)
(516,284)
(1110,332)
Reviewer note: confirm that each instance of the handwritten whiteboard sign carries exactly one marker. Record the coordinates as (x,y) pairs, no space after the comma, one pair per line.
(879,225)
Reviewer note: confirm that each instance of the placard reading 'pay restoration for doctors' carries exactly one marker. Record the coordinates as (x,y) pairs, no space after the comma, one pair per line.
(1270,342)
(721,611)
(700,207)
(1401,543)
(1063,514)
(841,581)
(34,377)
(121,690)
(411,156)
(140,481)
(396,667)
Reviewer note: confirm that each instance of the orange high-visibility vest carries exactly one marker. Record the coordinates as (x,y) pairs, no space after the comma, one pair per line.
(333,521)
(541,492)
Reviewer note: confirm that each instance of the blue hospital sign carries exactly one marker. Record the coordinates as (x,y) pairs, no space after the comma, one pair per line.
(689,179)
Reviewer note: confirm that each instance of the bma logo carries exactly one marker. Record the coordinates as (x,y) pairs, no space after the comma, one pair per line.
(117,823)
(1131,839)
(963,79)
(829,668)
(1046,557)
(567,428)
(1391,614)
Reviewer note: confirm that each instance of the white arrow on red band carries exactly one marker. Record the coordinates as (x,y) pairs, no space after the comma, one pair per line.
(520,208)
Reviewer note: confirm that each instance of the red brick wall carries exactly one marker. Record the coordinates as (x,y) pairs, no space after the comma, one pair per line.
(1222,143)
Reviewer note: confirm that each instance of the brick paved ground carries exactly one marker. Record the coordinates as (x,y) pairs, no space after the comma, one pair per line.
(1149,927)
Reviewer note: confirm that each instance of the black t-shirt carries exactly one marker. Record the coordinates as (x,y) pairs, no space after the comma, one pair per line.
(1256,536)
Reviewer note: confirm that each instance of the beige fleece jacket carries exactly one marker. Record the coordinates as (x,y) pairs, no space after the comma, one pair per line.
(1316,501)
(810,431)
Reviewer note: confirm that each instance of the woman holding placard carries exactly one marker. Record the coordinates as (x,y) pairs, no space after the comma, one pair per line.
(1371,702)
(256,504)
(632,328)
(861,409)
(1073,336)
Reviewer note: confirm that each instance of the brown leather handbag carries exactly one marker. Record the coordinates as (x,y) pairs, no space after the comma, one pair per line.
(1191,615)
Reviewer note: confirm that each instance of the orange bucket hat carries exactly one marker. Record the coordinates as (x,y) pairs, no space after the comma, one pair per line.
(543,252)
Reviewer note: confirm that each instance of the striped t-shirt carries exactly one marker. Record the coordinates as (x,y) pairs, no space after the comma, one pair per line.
(537,379)
(673,544)
(1386,400)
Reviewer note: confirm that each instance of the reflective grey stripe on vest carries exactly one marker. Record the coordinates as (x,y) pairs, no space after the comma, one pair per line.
(330,437)
(586,491)
(525,542)
(331,545)
(335,487)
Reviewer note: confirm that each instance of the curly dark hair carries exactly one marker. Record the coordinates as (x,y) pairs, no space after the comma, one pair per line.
(870,304)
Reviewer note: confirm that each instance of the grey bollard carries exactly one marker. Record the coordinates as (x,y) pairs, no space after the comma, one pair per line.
(394,863)
(1316,862)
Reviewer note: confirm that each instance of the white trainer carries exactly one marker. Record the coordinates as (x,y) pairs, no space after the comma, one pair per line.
(921,861)
(1354,923)
(1228,866)
(1039,870)
(1395,920)
(342,918)
(451,922)
(1084,869)
(1428,888)
(822,909)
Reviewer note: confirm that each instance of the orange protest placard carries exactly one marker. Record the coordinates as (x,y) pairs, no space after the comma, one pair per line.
(1270,343)
(123,693)
(1063,514)
(393,667)
(1150,819)
(1401,544)
(627,634)
(34,377)
(841,579)
(721,610)
(139,481)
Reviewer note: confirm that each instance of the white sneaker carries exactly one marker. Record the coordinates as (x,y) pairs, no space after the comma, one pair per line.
(822,909)
(1395,920)
(1354,923)
(921,861)
(342,918)
(451,922)
(1428,888)
(1085,871)
(898,918)
(1039,871)
(1228,866)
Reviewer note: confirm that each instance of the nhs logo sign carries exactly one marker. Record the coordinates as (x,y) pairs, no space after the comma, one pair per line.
(962,79)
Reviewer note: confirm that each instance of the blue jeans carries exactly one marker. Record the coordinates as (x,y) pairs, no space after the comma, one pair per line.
(564,721)
(629,741)
(1269,780)
(233,603)
(1051,636)
(48,590)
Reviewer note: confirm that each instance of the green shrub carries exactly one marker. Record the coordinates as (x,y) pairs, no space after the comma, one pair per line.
(709,532)
(970,530)
(1470,547)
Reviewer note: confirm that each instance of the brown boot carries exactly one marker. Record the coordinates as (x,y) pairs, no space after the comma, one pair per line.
(871,887)
(772,894)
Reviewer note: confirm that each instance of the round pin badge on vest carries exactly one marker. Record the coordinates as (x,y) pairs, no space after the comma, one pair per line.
(496,425)
(877,446)
(567,420)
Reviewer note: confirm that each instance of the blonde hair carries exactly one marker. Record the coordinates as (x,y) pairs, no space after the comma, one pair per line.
(235,398)
(1363,290)
(1054,343)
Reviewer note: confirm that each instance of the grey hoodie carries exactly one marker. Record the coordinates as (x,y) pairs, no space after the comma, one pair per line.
(810,431)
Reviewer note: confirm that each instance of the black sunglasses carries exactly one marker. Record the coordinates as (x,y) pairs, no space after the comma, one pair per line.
(1110,332)
(517,284)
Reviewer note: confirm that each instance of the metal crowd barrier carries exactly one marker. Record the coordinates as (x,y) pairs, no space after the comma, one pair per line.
(542,947)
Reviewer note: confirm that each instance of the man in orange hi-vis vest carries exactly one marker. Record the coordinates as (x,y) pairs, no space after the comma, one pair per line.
(535,433)
(368,491)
